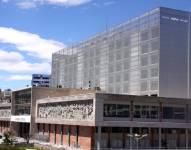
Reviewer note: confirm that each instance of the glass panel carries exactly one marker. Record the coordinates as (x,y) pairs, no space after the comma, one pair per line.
(173,112)
(144,48)
(122,110)
(144,35)
(146,111)
(109,110)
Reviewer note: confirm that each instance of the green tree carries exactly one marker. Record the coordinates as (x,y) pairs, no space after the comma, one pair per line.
(8,137)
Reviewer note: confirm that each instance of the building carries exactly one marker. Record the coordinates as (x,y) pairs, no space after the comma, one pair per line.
(5,96)
(101,121)
(23,107)
(41,80)
(89,119)
(147,55)
(5,110)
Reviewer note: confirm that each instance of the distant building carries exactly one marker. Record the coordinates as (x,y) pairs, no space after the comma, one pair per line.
(41,80)
(7,93)
(5,96)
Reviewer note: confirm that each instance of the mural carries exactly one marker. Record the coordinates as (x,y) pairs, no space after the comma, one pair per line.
(5,113)
(72,110)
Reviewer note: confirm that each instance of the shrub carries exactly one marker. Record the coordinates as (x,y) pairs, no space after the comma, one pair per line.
(8,137)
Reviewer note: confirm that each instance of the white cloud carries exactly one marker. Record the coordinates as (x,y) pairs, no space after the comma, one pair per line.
(18,78)
(6,57)
(109,3)
(13,62)
(66,2)
(33,44)
(26,5)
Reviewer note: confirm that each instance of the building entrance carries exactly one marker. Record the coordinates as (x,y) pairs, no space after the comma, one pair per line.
(23,130)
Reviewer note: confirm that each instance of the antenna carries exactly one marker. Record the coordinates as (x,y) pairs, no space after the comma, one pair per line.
(106,23)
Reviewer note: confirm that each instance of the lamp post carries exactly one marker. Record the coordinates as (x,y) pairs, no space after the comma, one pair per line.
(137,137)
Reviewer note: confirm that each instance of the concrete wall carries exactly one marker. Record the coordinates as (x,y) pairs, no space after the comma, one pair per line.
(41,93)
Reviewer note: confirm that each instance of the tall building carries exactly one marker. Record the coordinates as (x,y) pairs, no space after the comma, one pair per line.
(147,55)
(41,80)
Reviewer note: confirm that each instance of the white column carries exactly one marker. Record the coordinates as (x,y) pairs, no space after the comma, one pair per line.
(99,138)
(159,138)
(131,140)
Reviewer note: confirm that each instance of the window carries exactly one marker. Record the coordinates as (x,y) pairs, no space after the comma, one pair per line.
(122,110)
(144,74)
(110,79)
(144,86)
(118,78)
(118,55)
(146,111)
(118,43)
(144,60)
(125,88)
(173,112)
(111,57)
(116,110)
(111,68)
(126,53)
(179,113)
(97,52)
(154,85)
(125,76)
(91,62)
(126,65)
(144,48)
(97,71)
(91,53)
(144,35)
(118,66)
(110,89)
(154,58)
(127,41)
(155,45)
(155,32)
(97,61)
(154,72)
(109,110)
(111,46)
(118,88)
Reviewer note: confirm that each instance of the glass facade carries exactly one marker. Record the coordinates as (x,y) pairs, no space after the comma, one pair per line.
(146,111)
(116,110)
(170,112)
(122,60)
(22,102)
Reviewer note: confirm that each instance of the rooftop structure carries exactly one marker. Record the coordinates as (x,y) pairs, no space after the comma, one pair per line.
(40,80)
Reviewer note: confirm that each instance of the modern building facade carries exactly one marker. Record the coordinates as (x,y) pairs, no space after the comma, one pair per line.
(40,80)
(89,119)
(147,55)
(23,107)
(103,121)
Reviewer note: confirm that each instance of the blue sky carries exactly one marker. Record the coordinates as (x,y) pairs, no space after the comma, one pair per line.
(30,30)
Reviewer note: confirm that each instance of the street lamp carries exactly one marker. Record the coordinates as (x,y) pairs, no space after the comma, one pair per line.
(137,137)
